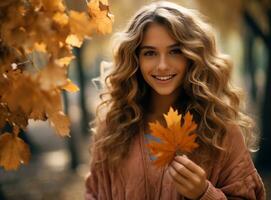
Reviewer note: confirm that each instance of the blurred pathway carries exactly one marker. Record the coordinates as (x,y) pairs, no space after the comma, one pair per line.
(47,176)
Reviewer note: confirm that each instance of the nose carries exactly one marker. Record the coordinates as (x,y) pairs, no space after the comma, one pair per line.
(162,64)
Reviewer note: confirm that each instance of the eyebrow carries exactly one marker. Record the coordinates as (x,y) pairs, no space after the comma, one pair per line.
(152,47)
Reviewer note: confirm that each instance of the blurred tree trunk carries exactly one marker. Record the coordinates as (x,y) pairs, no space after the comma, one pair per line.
(73,141)
(85,115)
(263,160)
(250,64)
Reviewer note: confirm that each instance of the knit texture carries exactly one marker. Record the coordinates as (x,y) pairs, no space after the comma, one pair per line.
(231,175)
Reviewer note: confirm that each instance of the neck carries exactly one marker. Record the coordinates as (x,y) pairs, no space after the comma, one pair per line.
(160,104)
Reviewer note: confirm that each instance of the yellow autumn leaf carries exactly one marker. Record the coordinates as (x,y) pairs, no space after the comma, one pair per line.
(104,23)
(41,47)
(70,87)
(174,139)
(80,24)
(61,18)
(13,151)
(100,16)
(55,5)
(74,40)
(64,61)
(93,7)
(104,2)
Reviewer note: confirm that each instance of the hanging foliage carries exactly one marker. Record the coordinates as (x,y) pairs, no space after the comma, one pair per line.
(36,40)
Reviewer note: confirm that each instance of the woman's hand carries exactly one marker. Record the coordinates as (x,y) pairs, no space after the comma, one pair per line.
(188,177)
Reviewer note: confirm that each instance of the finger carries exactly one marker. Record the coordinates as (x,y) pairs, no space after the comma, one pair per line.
(178,178)
(193,178)
(190,165)
(182,170)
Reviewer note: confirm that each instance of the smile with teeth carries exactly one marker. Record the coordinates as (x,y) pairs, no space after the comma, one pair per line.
(164,78)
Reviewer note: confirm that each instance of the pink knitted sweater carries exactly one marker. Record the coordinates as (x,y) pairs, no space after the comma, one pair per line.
(231,175)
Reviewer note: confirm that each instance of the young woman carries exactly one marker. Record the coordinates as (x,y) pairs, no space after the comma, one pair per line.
(167,57)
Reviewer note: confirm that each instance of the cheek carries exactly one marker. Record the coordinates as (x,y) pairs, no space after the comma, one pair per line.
(148,63)
(145,67)
(144,73)
(181,65)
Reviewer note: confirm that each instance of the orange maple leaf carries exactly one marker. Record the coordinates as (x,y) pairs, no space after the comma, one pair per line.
(174,139)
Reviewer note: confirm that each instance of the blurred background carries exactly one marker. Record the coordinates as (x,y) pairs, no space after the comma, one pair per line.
(58,166)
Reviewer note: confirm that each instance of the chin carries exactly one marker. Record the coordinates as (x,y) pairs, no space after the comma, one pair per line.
(164,92)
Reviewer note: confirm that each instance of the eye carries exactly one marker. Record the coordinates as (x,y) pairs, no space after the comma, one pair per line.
(175,51)
(149,53)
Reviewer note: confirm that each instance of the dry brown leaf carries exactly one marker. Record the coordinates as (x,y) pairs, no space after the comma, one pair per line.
(4,115)
(174,139)
(21,86)
(36,4)
(61,123)
(18,117)
(52,76)
(6,3)
(13,151)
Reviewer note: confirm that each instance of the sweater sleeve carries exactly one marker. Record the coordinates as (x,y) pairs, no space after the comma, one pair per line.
(237,176)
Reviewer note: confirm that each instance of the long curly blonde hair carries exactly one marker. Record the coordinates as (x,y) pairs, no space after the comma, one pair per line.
(208,93)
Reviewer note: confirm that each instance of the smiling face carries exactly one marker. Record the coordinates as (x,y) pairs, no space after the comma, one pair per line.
(161,61)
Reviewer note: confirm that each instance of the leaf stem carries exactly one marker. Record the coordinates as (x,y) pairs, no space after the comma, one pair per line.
(32,63)
(179,153)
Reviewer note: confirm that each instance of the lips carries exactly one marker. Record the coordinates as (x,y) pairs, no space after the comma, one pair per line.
(163,77)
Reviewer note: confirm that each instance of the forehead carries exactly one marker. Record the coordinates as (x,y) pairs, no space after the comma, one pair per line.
(157,35)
